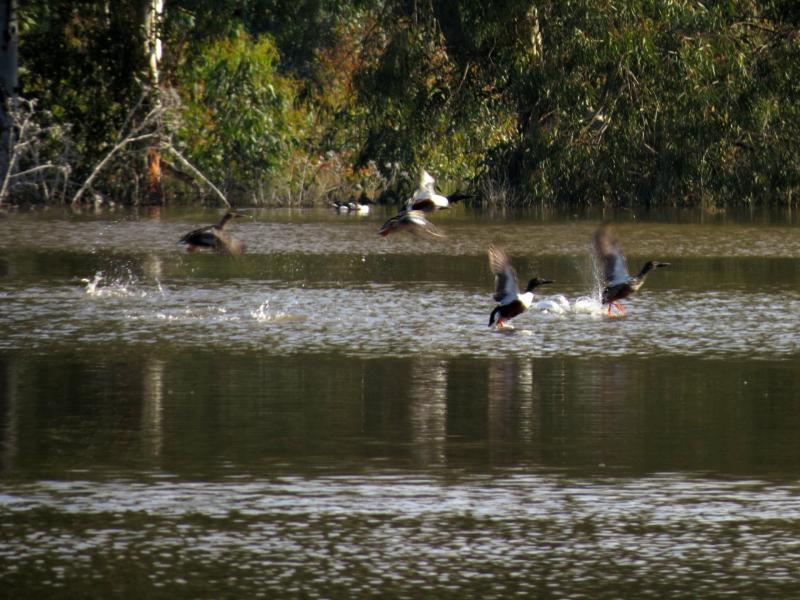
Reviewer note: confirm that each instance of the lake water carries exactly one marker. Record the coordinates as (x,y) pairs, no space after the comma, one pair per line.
(328,416)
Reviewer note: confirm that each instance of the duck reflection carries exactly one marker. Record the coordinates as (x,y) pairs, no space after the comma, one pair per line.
(428,412)
(512,405)
(153,267)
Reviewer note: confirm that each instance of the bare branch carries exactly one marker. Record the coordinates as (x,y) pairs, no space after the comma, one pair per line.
(197,173)
(119,146)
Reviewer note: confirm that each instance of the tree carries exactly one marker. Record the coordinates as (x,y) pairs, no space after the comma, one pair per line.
(9,30)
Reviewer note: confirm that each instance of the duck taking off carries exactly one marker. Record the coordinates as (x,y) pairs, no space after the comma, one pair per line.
(427,200)
(619,283)
(510,301)
(214,237)
(412,221)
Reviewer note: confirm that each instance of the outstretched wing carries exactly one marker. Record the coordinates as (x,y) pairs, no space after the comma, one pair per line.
(609,253)
(506,288)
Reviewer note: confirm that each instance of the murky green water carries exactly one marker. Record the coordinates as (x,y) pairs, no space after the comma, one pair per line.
(328,416)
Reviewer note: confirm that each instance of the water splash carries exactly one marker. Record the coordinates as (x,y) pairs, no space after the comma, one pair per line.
(102,287)
(588,305)
(123,286)
(554,305)
(559,305)
(92,284)
(263,314)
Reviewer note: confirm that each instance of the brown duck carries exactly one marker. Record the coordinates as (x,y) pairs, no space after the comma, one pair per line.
(214,237)
(619,283)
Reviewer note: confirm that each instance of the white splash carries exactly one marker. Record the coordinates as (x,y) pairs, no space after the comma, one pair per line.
(263,314)
(559,305)
(555,305)
(100,287)
(587,305)
(119,287)
(92,284)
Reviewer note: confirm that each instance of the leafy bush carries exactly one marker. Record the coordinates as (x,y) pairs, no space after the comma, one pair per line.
(238,120)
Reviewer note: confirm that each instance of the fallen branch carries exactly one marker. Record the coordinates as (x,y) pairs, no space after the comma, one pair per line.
(119,146)
(197,174)
(36,170)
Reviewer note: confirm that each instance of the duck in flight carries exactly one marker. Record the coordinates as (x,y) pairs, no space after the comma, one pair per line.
(510,301)
(214,237)
(619,283)
(427,200)
(412,221)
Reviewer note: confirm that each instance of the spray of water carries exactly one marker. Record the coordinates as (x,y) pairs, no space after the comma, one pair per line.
(591,305)
(122,286)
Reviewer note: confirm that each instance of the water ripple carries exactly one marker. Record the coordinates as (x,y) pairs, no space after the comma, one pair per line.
(666,535)
(385,319)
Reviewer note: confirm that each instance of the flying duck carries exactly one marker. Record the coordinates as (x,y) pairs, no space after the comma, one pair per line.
(510,301)
(619,283)
(412,221)
(214,237)
(427,200)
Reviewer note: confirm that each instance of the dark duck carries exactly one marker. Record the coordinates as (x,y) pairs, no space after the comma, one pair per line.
(619,284)
(214,237)
(511,302)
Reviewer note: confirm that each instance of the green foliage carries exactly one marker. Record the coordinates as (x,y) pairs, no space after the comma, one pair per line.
(239,120)
(568,101)
(81,62)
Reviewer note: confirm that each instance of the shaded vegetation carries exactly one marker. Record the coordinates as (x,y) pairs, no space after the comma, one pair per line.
(574,102)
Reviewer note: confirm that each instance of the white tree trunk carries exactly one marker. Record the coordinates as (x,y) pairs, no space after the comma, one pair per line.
(154,15)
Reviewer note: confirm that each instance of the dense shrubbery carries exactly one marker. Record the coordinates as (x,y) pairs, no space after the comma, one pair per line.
(575,101)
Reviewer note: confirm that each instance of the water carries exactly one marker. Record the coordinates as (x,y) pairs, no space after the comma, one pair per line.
(329,416)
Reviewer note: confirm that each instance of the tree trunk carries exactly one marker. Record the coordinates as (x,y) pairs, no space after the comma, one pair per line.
(8,75)
(153,19)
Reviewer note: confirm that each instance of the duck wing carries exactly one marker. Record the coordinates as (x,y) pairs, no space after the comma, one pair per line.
(417,218)
(422,204)
(506,288)
(200,237)
(609,253)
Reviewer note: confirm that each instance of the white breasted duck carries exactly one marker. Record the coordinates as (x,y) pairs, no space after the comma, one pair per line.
(214,237)
(412,221)
(619,283)
(510,301)
(360,206)
(427,200)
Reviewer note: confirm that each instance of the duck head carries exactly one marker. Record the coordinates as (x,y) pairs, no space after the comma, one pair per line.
(536,282)
(651,266)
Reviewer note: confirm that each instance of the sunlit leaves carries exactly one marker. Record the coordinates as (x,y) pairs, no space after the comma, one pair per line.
(239,117)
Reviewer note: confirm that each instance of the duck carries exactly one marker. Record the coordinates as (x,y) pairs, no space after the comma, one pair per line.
(214,237)
(426,199)
(360,206)
(511,302)
(619,284)
(412,221)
